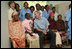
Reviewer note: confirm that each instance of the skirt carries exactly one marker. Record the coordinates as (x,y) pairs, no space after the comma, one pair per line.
(58,38)
(33,42)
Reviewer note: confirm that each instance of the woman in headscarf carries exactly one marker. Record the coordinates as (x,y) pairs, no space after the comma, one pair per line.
(52,27)
(32,38)
(16,31)
(60,24)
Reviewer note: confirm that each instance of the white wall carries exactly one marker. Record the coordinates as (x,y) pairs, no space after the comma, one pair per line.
(57,2)
(4,25)
(63,8)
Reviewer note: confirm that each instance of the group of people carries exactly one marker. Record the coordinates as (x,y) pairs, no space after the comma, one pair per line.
(26,23)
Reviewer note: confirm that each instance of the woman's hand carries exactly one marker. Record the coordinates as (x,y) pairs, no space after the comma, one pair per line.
(54,30)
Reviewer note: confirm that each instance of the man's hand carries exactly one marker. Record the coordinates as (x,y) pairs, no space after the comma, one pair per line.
(45,32)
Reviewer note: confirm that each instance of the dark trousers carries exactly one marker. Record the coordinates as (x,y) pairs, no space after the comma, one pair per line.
(50,34)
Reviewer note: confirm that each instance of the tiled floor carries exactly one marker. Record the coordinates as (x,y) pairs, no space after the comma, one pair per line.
(47,45)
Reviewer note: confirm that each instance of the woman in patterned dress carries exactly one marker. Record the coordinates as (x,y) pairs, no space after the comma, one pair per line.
(53,27)
(16,31)
(61,28)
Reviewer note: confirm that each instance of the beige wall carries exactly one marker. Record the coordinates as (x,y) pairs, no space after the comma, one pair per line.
(62,8)
(4,25)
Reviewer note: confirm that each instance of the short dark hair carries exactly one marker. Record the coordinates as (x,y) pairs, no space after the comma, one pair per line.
(32,7)
(26,14)
(25,3)
(16,4)
(46,6)
(11,3)
(37,4)
(53,8)
(59,15)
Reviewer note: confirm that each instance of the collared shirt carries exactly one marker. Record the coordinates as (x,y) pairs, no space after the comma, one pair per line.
(31,14)
(22,14)
(68,18)
(43,13)
(68,15)
(46,14)
(10,11)
(41,23)
(50,11)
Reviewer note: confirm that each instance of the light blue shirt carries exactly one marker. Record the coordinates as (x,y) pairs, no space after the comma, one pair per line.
(31,14)
(22,14)
(41,23)
(43,13)
(46,14)
(68,18)
(50,11)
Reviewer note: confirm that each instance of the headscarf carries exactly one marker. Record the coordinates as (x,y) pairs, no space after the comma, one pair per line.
(51,13)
